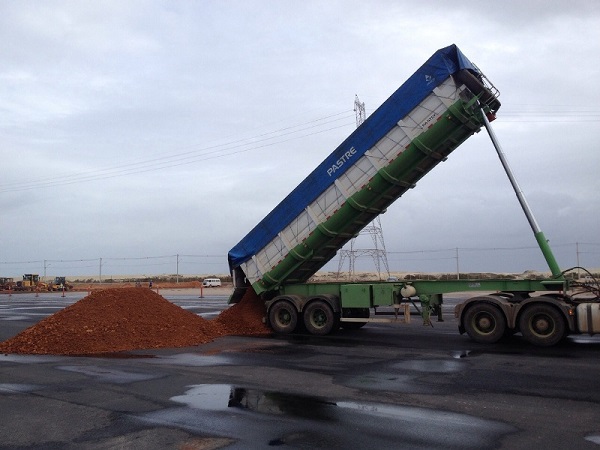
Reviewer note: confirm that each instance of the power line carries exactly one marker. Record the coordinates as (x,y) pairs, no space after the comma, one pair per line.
(271,138)
(194,260)
(522,113)
(528,113)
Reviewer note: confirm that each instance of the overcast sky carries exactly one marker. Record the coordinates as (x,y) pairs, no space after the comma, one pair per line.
(135,131)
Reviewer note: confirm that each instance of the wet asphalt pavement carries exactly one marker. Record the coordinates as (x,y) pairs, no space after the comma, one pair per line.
(384,386)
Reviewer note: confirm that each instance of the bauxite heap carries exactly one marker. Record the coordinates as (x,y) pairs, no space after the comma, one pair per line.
(114,320)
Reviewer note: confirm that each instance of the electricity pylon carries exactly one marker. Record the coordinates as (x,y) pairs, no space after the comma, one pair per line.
(377,252)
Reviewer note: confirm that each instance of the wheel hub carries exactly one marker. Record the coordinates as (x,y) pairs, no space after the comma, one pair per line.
(284,317)
(319,318)
(541,325)
(484,323)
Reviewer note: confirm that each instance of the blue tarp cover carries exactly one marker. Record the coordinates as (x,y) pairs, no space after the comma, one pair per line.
(442,64)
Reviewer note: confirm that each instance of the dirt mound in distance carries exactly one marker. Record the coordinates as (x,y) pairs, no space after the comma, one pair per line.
(122,319)
(80,286)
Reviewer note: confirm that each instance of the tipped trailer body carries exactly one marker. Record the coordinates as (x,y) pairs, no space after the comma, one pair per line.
(430,115)
(442,104)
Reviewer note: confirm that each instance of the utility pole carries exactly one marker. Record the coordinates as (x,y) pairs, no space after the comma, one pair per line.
(578,263)
(377,252)
(359,111)
(457,266)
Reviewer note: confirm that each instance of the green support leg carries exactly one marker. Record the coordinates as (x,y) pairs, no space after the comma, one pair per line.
(425,309)
(436,306)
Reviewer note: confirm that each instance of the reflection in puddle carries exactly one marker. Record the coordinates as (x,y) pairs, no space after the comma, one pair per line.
(256,419)
(220,397)
(580,339)
(211,397)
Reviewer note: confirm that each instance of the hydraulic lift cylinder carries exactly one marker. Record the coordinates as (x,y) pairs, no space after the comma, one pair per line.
(539,235)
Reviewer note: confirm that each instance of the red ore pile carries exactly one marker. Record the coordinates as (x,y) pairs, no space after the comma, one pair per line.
(117,320)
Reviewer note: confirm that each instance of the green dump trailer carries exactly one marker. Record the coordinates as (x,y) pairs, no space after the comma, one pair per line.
(442,104)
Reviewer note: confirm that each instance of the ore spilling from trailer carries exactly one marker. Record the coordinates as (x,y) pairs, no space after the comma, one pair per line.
(416,128)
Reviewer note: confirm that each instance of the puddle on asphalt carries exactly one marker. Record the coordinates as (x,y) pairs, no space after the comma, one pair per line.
(214,397)
(257,419)
(386,381)
(309,339)
(595,438)
(115,355)
(458,354)
(244,346)
(110,375)
(221,397)
(582,339)
(14,388)
(404,376)
(430,365)
(192,360)
(29,359)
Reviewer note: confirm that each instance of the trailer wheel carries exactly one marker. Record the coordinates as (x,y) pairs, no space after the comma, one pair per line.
(484,323)
(319,318)
(283,317)
(542,325)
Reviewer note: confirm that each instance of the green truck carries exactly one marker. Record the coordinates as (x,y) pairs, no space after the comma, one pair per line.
(442,104)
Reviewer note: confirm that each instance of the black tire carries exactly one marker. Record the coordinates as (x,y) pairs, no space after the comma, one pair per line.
(484,323)
(283,317)
(542,325)
(358,313)
(319,318)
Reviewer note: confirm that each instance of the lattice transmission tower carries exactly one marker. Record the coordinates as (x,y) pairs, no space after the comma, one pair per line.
(357,249)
